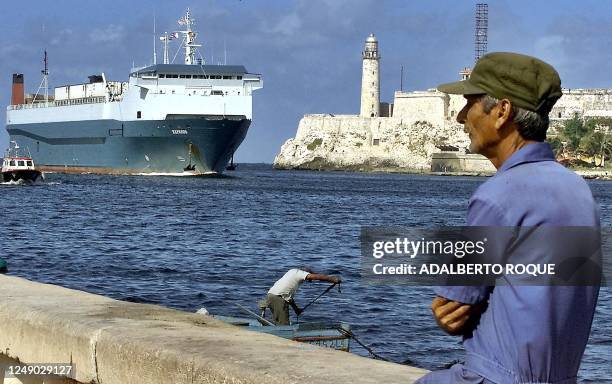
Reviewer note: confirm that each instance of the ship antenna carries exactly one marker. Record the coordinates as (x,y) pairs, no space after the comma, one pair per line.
(175,34)
(44,84)
(164,38)
(154,42)
(190,37)
(46,78)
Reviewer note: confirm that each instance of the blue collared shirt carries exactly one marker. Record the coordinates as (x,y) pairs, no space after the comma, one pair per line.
(530,334)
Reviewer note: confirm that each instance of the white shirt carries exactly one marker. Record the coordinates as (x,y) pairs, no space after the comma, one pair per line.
(288,284)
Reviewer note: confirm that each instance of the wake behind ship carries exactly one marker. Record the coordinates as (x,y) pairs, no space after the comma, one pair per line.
(167,118)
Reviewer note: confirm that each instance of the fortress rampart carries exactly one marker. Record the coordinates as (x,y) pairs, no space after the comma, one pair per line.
(423,123)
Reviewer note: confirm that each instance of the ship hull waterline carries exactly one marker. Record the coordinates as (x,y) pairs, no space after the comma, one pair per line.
(180,146)
(30,176)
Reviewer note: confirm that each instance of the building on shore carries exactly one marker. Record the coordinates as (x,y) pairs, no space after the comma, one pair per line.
(418,132)
(370,79)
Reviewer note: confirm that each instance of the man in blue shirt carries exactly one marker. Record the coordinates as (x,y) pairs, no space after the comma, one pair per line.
(522,334)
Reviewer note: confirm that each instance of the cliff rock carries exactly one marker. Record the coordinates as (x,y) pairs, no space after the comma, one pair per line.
(361,143)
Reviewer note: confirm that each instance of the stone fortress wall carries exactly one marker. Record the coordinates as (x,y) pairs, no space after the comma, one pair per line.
(402,142)
(365,143)
(582,102)
(422,135)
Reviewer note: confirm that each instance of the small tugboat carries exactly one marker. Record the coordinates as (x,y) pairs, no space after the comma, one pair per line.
(16,167)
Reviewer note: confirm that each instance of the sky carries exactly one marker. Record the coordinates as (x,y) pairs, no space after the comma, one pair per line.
(308,51)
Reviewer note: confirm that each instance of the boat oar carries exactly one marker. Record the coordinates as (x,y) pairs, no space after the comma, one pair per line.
(261,319)
(317,298)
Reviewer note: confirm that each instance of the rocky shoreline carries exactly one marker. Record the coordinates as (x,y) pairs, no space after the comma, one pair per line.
(600,174)
(319,164)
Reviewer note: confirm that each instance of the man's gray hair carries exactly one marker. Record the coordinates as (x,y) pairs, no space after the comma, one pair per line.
(531,125)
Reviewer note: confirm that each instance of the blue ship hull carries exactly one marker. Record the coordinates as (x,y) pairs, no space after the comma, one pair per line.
(196,144)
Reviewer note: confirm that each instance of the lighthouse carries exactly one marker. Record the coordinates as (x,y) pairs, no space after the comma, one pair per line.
(370,79)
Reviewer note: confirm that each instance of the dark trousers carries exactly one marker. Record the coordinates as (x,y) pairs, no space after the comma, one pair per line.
(280,309)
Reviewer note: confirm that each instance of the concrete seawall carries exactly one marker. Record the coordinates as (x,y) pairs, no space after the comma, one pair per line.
(111,341)
(461,163)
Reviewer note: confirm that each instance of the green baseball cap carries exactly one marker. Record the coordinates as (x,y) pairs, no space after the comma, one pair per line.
(527,82)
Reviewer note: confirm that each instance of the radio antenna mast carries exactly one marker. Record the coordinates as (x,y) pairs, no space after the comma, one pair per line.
(154,42)
(480,33)
(189,37)
(44,84)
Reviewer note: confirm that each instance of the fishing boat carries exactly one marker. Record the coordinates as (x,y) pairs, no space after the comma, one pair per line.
(329,335)
(18,167)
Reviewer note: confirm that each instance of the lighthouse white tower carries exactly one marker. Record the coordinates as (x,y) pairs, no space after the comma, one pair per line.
(370,79)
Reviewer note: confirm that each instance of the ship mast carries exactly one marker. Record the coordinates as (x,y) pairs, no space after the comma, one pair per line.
(44,84)
(154,42)
(164,38)
(189,38)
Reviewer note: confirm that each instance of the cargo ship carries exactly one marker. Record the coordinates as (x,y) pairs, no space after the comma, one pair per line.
(183,119)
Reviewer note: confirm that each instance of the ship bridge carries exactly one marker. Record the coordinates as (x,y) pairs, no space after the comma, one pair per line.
(227,72)
(196,79)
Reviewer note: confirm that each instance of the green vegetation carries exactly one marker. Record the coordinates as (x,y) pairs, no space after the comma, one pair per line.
(584,138)
(314,144)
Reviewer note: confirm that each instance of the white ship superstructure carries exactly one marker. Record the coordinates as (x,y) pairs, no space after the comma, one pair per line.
(165,118)
(152,93)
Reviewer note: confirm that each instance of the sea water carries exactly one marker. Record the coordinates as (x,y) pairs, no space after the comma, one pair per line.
(189,243)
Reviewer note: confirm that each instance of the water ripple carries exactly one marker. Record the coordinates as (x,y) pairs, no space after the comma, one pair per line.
(188,243)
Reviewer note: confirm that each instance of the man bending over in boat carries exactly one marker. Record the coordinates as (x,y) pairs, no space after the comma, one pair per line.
(280,296)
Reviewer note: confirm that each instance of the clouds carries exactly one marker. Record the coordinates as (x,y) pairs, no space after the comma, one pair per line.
(582,49)
(61,37)
(309,51)
(11,50)
(551,48)
(110,34)
(287,26)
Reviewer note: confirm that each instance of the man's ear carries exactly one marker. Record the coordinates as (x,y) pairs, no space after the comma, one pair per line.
(503,112)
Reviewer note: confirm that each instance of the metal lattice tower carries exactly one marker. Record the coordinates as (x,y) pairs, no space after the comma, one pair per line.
(482,25)
(44,84)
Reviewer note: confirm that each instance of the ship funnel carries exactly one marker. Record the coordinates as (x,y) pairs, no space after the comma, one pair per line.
(17,96)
